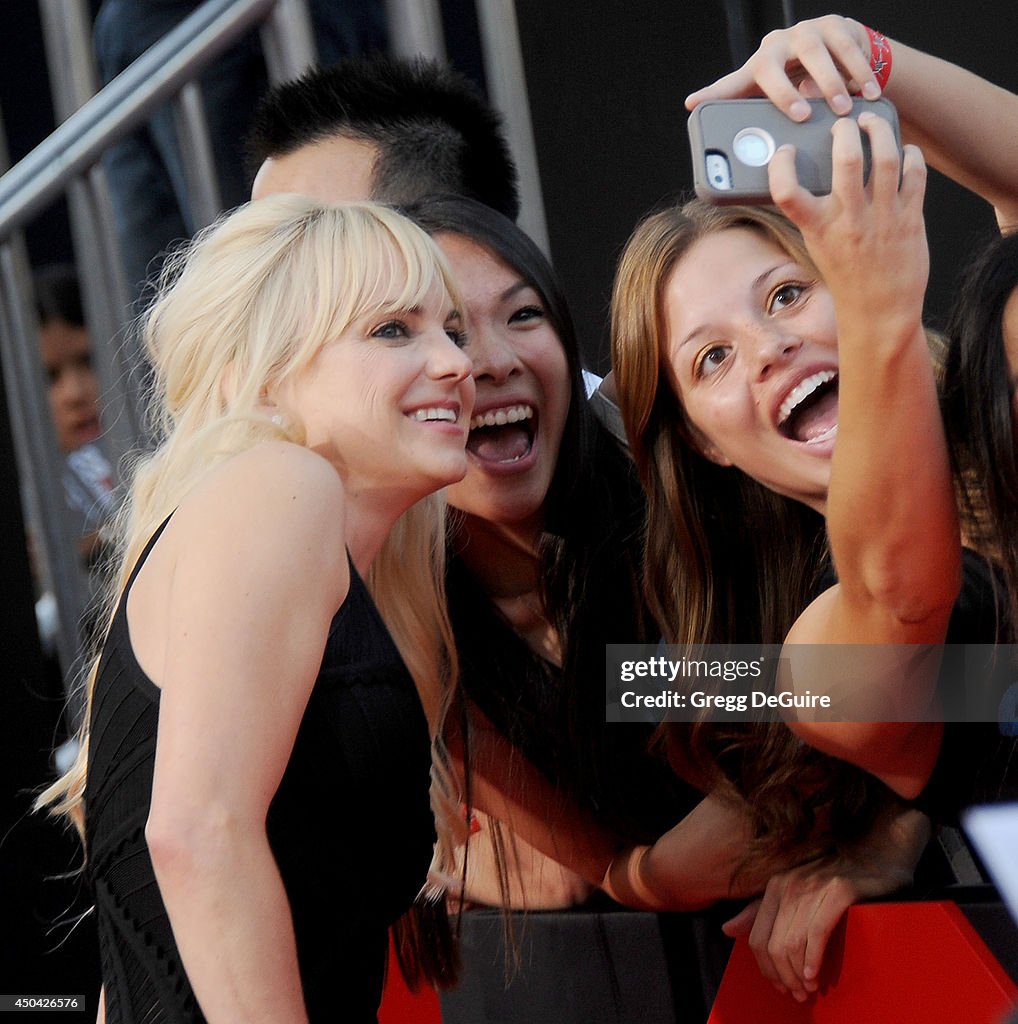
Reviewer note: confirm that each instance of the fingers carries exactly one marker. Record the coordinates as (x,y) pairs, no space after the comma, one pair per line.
(837,897)
(786,946)
(913,175)
(792,925)
(789,196)
(849,191)
(824,58)
(835,52)
(743,921)
(734,85)
(760,935)
(885,159)
(777,73)
(847,163)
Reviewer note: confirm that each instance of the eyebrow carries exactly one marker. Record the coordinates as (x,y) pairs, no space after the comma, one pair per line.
(754,285)
(515,289)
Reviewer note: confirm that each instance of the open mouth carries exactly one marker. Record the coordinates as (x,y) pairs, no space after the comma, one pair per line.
(503,435)
(88,429)
(809,413)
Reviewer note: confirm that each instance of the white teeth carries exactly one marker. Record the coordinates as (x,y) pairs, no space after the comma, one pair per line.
(422,415)
(825,436)
(500,417)
(803,390)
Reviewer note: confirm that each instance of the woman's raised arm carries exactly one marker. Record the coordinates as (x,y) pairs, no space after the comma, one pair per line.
(891,513)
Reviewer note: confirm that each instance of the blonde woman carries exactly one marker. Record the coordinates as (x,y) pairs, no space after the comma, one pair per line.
(255,806)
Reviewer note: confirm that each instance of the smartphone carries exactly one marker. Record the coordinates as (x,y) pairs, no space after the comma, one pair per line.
(732,142)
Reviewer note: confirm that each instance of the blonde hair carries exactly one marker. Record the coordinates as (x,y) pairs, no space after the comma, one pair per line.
(243,308)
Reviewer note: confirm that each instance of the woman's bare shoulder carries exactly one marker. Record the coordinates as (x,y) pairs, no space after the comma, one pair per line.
(274,504)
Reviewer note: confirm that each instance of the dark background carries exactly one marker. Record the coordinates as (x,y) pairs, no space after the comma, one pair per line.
(606,80)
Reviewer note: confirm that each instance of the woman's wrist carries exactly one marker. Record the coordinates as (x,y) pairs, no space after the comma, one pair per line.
(624,879)
(880,56)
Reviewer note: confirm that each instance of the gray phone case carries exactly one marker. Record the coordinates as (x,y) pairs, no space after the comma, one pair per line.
(716,128)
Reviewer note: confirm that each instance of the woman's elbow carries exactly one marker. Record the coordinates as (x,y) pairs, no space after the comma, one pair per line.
(183,841)
(916,598)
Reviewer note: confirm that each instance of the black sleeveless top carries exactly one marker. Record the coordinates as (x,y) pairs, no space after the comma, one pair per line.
(978,759)
(350,825)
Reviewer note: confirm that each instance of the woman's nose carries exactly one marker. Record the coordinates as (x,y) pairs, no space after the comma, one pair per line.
(773,351)
(494,358)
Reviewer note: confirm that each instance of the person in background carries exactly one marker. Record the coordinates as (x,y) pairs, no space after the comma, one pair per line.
(149,190)
(73,390)
(384,128)
(981,419)
(88,479)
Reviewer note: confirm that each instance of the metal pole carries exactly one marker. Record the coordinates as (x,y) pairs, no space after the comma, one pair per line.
(415,28)
(507,88)
(55,530)
(122,105)
(74,80)
(204,197)
(288,41)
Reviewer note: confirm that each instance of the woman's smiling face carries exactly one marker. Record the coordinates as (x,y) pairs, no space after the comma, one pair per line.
(523,389)
(752,353)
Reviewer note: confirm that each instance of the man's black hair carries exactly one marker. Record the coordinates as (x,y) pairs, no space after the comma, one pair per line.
(434,131)
(58,295)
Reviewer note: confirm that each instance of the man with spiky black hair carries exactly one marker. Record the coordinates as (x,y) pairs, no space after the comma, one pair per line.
(383,128)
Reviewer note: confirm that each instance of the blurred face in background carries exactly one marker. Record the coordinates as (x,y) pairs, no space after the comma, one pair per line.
(73,386)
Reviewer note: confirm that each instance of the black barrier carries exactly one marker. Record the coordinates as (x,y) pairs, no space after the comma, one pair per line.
(595,966)
(615,966)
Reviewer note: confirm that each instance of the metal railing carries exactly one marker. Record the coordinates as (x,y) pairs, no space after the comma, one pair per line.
(68,161)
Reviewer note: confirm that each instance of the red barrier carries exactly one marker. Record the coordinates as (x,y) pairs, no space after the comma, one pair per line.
(400,1005)
(887,963)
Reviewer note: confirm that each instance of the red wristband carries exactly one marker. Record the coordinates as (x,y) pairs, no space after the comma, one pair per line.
(880,57)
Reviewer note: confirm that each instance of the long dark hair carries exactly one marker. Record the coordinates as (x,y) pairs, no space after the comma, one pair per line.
(978,403)
(591,550)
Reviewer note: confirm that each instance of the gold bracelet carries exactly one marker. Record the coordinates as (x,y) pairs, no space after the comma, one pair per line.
(634,856)
(636,882)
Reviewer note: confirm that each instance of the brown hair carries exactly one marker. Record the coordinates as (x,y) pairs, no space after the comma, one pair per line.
(727,559)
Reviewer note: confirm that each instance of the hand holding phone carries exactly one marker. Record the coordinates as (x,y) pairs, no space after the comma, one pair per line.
(732,142)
